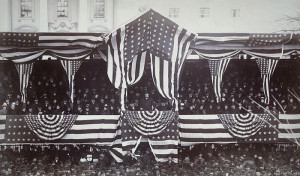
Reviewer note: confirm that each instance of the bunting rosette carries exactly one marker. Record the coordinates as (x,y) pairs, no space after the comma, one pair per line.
(150,123)
(244,125)
(50,127)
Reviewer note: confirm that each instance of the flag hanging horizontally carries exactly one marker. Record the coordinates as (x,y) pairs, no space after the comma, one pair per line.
(217,69)
(244,125)
(159,36)
(24,47)
(71,67)
(50,127)
(24,71)
(266,67)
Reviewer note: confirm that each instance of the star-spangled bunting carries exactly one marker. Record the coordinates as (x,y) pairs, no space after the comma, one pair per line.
(17,131)
(162,38)
(71,67)
(244,125)
(24,70)
(268,39)
(163,145)
(267,133)
(217,69)
(267,68)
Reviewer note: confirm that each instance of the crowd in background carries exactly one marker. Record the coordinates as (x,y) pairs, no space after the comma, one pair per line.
(48,92)
(204,159)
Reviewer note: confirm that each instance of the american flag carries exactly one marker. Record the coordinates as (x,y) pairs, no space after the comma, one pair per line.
(24,70)
(196,129)
(50,127)
(71,67)
(217,69)
(135,68)
(150,122)
(13,39)
(266,67)
(17,131)
(289,127)
(24,47)
(87,129)
(268,132)
(2,128)
(268,39)
(163,145)
(218,46)
(244,125)
(193,129)
(151,32)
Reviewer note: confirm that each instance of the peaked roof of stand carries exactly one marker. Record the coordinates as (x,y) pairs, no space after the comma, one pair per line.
(152,32)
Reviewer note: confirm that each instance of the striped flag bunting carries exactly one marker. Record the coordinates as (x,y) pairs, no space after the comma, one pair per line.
(50,127)
(196,129)
(268,132)
(150,122)
(266,67)
(2,128)
(106,130)
(151,32)
(135,68)
(71,67)
(87,129)
(244,125)
(289,127)
(163,145)
(24,70)
(49,40)
(24,47)
(218,46)
(217,69)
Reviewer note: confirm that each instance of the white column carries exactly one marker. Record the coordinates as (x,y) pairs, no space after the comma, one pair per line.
(82,15)
(6,15)
(43,16)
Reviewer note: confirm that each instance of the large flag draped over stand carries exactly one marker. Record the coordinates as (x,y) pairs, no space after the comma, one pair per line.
(266,67)
(217,69)
(162,38)
(24,71)
(71,67)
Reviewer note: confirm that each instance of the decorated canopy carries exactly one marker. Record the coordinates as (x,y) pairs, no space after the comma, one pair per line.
(149,37)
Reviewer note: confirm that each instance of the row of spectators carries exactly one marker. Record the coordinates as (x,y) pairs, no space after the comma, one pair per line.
(204,159)
(48,93)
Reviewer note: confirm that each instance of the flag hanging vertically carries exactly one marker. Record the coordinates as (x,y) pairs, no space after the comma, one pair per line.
(71,67)
(266,67)
(217,69)
(24,71)
(162,38)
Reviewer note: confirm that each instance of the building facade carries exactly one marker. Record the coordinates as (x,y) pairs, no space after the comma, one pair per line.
(199,16)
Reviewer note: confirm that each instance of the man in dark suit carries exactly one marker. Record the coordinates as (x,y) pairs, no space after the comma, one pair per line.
(147,103)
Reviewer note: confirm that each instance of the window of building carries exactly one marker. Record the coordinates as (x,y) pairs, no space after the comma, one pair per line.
(204,12)
(235,13)
(99,9)
(26,8)
(174,12)
(62,8)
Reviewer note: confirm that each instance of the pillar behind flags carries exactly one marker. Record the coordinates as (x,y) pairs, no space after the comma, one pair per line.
(266,67)
(24,71)
(217,69)
(71,67)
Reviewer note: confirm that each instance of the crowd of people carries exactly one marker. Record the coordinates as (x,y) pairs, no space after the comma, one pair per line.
(204,159)
(48,90)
